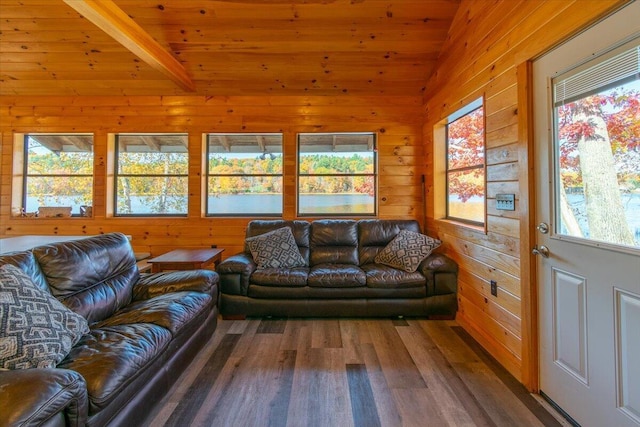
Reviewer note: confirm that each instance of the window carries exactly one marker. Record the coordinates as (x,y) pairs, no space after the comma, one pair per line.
(152,172)
(244,174)
(58,172)
(337,174)
(597,148)
(465,169)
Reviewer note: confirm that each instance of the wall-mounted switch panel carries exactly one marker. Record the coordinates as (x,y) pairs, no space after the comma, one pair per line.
(494,288)
(506,202)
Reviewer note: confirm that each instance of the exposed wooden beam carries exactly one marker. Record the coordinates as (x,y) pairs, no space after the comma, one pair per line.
(151,143)
(224,141)
(261,143)
(107,16)
(82,142)
(51,143)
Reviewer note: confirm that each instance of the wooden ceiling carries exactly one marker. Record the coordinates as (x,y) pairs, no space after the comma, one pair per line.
(224,48)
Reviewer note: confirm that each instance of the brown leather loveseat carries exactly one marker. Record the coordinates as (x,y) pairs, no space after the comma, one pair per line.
(339,272)
(143,330)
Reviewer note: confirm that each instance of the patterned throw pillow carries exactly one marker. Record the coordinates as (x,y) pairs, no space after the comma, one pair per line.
(275,249)
(36,330)
(407,250)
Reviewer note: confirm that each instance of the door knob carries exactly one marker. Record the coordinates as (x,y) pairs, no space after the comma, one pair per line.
(543,228)
(542,250)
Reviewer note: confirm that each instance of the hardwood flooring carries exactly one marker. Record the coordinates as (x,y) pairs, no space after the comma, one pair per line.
(346,372)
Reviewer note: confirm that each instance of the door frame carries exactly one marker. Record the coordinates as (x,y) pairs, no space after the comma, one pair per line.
(530,366)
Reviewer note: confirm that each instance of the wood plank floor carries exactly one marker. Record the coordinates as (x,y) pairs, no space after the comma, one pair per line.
(346,372)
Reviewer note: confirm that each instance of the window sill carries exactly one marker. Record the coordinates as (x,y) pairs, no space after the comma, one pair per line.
(451,222)
(25,217)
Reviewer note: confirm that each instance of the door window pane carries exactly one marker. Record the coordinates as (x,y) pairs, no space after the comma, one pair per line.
(598,158)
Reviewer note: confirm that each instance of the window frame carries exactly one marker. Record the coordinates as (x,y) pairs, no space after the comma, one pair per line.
(208,175)
(374,174)
(117,174)
(468,109)
(25,166)
(613,68)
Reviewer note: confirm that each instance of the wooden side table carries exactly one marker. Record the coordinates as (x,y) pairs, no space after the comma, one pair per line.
(186,259)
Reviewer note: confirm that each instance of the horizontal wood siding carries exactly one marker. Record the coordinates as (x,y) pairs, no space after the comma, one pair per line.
(487,43)
(231,48)
(396,120)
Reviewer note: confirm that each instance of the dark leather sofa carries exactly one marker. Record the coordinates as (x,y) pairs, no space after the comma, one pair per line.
(340,276)
(144,330)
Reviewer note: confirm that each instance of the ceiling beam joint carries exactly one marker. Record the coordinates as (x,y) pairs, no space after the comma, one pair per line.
(107,16)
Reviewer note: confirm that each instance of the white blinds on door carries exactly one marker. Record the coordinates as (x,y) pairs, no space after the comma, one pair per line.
(619,66)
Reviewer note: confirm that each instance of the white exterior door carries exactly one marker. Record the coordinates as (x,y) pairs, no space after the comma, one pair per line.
(588,275)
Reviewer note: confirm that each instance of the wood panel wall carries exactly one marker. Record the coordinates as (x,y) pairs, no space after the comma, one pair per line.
(396,120)
(486,54)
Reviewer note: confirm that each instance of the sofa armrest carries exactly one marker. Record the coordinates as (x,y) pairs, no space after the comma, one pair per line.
(235,273)
(151,285)
(441,273)
(439,263)
(38,396)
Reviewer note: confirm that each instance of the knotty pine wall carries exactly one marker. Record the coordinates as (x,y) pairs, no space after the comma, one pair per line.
(396,120)
(486,54)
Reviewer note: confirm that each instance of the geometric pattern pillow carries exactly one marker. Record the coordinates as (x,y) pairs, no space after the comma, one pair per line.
(407,250)
(275,249)
(36,330)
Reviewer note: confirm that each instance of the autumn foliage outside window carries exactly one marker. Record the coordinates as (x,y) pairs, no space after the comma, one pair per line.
(152,174)
(337,174)
(244,174)
(465,164)
(58,171)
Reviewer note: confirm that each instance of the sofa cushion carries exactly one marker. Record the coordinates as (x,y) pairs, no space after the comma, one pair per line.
(283,293)
(407,250)
(275,249)
(375,234)
(299,228)
(93,276)
(36,330)
(112,357)
(289,277)
(334,241)
(171,311)
(336,276)
(383,276)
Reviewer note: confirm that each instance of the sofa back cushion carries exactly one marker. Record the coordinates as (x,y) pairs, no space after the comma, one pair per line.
(334,241)
(375,235)
(299,228)
(26,262)
(94,277)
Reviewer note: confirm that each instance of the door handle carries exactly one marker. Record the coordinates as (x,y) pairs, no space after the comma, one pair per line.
(542,250)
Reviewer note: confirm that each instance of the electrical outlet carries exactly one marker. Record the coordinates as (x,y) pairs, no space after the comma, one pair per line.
(506,202)
(494,288)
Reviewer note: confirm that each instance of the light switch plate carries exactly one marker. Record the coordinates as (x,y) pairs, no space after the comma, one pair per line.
(506,202)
